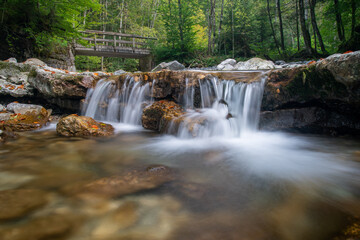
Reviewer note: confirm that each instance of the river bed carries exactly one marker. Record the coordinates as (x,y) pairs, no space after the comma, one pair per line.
(259,186)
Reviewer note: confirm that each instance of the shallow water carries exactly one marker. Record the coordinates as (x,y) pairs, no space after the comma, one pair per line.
(260,186)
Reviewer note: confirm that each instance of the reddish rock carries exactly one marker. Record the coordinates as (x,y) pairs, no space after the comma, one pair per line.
(82,126)
(160,114)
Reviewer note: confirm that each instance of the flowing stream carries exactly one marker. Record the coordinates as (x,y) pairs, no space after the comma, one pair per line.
(230,181)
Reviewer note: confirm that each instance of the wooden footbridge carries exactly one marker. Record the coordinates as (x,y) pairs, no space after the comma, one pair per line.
(112,44)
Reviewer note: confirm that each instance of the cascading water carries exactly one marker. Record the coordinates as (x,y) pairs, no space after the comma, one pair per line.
(109,103)
(229,109)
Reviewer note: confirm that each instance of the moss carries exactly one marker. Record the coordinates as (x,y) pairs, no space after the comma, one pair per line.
(74,79)
(310,83)
(33,73)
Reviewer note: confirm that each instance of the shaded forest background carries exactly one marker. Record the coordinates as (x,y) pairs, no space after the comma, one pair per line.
(198,33)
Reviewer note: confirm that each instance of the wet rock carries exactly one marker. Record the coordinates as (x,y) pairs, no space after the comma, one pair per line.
(344,67)
(5,116)
(54,83)
(280,62)
(291,118)
(21,108)
(11,60)
(6,135)
(174,65)
(123,217)
(119,72)
(25,117)
(35,61)
(321,85)
(46,227)
(14,80)
(228,64)
(255,64)
(17,203)
(160,114)
(82,126)
(55,180)
(311,120)
(129,182)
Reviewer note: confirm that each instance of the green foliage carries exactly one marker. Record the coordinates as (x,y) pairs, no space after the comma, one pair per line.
(30,26)
(86,63)
(241,28)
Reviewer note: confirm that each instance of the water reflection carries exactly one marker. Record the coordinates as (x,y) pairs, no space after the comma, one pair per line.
(260,186)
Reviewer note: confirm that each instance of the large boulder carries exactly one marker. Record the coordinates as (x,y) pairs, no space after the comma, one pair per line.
(14,80)
(82,126)
(308,119)
(255,64)
(24,117)
(227,64)
(35,62)
(344,67)
(174,65)
(54,83)
(159,115)
(324,94)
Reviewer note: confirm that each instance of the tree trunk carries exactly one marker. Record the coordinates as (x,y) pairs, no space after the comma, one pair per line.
(304,30)
(211,27)
(220,24)
(339,24)
(233,31)
(353,17)
(297,25)
(281,26)
(182,46)
(272,27)
(172,40)
(315,26)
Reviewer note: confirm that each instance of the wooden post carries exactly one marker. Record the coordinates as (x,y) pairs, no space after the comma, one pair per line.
(114,43)
(95,42)
(133,44)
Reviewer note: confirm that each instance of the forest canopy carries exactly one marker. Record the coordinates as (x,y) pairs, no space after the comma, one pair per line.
(196,32)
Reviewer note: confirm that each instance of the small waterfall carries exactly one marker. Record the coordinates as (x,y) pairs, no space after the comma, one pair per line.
(229,109)
(108,103)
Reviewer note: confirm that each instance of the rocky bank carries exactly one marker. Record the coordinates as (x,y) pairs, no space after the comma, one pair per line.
(321,96)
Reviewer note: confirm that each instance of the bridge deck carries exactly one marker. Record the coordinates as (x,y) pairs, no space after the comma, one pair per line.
(110,44)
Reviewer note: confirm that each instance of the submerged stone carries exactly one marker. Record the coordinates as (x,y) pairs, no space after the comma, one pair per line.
(129,182)
(46,227)
(82,126)
(17,203)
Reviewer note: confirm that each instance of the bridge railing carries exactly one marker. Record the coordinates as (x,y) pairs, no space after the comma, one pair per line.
(108,41)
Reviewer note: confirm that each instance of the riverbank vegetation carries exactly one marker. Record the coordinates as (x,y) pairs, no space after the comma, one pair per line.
(198,33)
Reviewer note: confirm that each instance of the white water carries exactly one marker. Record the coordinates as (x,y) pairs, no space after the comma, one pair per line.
(109,103)
(229,109)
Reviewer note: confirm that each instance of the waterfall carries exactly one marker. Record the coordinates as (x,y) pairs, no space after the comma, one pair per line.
(109,103)
(228,109)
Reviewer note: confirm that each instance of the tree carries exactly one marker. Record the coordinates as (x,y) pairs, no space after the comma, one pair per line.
(304,30)
(281,26)
(339,23)
(315,26)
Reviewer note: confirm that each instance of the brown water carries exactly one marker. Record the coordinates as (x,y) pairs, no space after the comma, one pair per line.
(263,186)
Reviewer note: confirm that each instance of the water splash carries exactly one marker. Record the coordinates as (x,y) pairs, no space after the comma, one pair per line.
(109,103)
(229,109)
